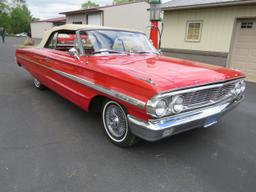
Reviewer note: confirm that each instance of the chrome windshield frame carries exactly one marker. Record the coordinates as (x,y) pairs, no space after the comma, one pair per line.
(79,41)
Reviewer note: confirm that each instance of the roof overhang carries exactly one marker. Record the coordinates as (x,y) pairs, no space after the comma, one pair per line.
(210,5)
(100,9)
(52,20)
(82,11)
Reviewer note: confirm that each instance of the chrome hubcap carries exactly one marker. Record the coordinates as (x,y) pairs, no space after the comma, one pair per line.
(37,83)
(115,121)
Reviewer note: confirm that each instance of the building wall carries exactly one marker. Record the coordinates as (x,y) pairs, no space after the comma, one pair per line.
(218,24)
(131,16)
(219,59)
(38,28)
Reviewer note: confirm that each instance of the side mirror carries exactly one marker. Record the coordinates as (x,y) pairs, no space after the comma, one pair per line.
(73,52)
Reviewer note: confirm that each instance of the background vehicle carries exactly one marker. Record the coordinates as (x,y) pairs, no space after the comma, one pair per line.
(21,34)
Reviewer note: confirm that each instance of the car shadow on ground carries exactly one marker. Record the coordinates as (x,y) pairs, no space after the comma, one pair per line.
(96,128)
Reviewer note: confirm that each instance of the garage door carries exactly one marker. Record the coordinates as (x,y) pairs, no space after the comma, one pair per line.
(243,55)
(94,19)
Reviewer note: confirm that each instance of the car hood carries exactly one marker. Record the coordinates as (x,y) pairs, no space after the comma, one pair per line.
(165,73)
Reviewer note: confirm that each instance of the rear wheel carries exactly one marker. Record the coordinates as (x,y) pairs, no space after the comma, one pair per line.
(116,125)
(38,84)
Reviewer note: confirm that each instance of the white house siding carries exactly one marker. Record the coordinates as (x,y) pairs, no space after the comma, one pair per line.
(131,16)
(38,28)
(218,24)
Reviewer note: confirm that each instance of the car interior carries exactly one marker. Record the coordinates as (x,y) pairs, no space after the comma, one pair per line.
(65,40)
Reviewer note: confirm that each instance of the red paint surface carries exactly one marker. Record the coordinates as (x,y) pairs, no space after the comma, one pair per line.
(127,74)
(154,33)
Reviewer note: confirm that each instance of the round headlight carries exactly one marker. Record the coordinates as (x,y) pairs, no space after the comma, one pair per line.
(243,86)
(161,108)
(238,88)
(176,106)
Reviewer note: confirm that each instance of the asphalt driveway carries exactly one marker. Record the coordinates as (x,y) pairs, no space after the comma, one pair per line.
(47,144)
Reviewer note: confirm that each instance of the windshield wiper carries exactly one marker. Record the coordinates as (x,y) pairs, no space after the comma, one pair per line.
(123,52)
(143,52)
(106,50)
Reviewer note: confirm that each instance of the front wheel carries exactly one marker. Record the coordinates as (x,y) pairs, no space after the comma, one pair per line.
(116,125)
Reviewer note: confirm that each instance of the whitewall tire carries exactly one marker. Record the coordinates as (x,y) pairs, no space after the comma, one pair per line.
(116,125)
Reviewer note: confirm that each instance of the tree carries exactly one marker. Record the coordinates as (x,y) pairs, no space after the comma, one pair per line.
(89,4)
(20,16)
(118,2)
(34,19)
(20,19)
(17,3)
(3,6)
(4,15)
(15,16)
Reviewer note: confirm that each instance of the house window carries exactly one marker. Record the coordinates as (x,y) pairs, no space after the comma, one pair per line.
(194,29)
(246,25)
(77,22)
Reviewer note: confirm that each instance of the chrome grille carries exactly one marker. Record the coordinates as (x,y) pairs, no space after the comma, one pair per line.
(205,96)
(223,91)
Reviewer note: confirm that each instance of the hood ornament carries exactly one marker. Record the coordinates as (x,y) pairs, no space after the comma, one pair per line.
(149,80)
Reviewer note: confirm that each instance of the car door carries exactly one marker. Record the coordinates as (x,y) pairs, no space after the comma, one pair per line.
(63,67)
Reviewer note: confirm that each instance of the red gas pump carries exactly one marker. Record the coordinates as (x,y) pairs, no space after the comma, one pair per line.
(155,17)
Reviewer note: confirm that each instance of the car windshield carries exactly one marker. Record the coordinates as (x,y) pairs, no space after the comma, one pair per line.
(115,42)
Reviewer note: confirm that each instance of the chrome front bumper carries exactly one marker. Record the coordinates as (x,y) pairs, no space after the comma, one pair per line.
(157,129)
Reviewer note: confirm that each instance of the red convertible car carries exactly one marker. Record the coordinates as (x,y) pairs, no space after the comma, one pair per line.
(139,93)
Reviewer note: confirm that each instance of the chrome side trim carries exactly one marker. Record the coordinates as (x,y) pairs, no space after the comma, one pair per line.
(104,90)
(94,86)
(32,61)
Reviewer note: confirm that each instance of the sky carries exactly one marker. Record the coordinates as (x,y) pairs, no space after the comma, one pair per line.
(45,9)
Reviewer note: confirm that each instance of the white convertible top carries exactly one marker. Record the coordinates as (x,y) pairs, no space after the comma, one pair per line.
(75,27)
